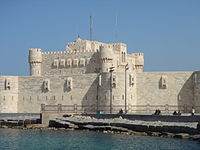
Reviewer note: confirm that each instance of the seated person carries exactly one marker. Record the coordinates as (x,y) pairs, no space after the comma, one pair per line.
(157,112)
(120,111)
(193,111)
(175,113)
(179,113)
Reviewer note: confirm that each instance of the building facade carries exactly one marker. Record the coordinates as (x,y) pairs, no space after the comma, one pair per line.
(89,76)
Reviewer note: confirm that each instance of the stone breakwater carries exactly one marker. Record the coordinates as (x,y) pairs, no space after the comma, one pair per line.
(18,120)
(183,130)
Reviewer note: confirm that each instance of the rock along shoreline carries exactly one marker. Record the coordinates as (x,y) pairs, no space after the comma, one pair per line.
(181,130)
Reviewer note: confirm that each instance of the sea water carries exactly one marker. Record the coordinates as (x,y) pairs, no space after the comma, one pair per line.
(13,139)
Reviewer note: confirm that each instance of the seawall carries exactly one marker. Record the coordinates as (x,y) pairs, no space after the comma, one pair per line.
(144,117)
(177,129)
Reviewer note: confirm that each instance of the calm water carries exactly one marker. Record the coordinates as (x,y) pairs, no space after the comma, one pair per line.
(11,139)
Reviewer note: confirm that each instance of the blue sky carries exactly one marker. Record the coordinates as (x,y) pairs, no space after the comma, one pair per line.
(167,31)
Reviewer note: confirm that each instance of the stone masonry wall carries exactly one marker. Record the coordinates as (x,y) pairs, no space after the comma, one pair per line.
(118,92)
(9,96)
(31,94)
(196,77)
(181,93)
(178,94)
(26,93)
(91,63)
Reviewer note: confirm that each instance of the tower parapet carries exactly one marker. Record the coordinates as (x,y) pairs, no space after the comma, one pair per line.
(139,62)
(106,57)
(35,61)
(80,45)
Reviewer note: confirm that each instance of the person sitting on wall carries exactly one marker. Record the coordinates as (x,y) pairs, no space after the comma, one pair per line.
(175,113)
(179,113)
(120,111)
(193,111)
(157,112)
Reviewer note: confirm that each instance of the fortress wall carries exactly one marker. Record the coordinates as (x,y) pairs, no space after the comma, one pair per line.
(179,91)
(91,62)
(31,94)
(197,90)
(104,92)
(9,96)
(118,92)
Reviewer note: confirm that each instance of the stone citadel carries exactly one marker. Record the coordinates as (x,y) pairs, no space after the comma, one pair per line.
(89,76)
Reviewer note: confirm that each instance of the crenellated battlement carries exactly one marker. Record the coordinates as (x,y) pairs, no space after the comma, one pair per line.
(64,52)
(54,52)
(119,44)
(104,46)
(35,55)
(35,49)
(80,45)
(101,56)
(138,54)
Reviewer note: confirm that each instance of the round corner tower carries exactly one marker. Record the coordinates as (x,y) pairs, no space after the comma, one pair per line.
(35,61)
(106,57)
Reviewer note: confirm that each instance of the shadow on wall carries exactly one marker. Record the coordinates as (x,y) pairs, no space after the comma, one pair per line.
(94,64)
(185,97)
(89,101)
(196,84)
